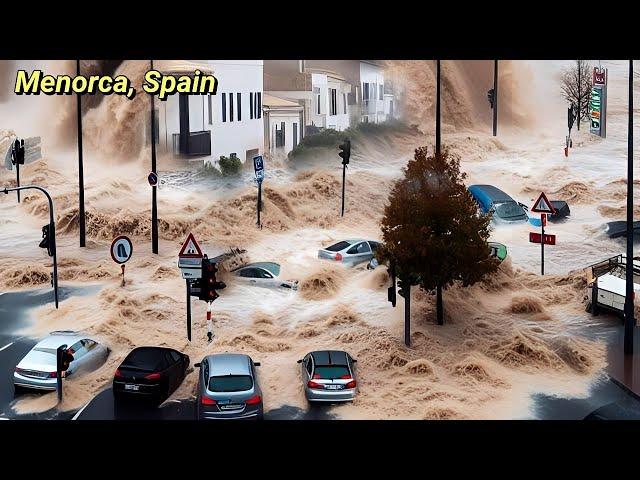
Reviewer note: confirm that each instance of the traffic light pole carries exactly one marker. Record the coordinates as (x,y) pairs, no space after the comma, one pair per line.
(59,353)
(344,177)
(629,320)
(407,315)
(81,215)
(188,310)
(259,200)
(18,180)
(154,189)
(52,232)
(437,107)
(495,98)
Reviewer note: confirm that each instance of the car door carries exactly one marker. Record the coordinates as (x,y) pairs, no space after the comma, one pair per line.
(93,355)
(307,368)
(265,278)
(248,275)
(78,351)
(360,252)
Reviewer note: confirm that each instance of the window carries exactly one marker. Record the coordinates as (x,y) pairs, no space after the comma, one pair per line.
(364,248)
(175,355)
(365,91)
(264,274)
(251,105)
(230,383)
(239,107)
(344,102)
(318,104)
(249,273)
(295,134)
(336,247)
(224,107)
(309,365)
(259,111)
(330,372)
(210,110)
(333,107)
(381,92)
(231,107)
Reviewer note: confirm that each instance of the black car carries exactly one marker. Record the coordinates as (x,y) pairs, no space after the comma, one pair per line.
(150,373)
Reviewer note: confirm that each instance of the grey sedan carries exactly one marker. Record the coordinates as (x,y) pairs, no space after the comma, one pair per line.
(350,252)
(263,274)
(228,388)
(329,376)
(37,370)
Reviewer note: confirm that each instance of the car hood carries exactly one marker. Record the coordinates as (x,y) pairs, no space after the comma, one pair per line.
(41,361)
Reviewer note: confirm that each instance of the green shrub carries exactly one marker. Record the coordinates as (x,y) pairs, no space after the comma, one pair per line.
(230,166)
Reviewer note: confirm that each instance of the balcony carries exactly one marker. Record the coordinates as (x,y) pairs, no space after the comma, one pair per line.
(196,144)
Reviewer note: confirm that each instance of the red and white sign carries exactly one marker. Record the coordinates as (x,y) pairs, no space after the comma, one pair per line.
(190,248)
(537,238)
(543,205)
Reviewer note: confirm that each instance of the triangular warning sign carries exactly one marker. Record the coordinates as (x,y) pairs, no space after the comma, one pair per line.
(190,248)
(543,205)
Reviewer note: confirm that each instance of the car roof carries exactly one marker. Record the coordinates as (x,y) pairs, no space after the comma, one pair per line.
(270,266)
(329,357)
(228,364)
(59,338)
(489,194)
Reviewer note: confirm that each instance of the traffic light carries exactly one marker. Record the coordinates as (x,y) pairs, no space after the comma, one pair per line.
(391,291)
(571,116)
(402,287)
(17,152)
(490,97)
(208,282)
(345,151)
(48,239)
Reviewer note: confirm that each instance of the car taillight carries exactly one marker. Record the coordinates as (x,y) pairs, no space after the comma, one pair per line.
(345,377)
(118,374)
(338,257)
(316,375)
(207,401)
(53,375)
(152,376)
(316,385)
(351,384)
(254,400)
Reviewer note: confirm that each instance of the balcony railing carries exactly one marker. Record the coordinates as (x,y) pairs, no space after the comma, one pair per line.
(198,144)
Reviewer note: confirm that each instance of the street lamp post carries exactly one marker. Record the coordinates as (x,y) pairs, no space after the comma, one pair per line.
(629,320)
(495,98)
(154,188)
(438,107)
(81,216)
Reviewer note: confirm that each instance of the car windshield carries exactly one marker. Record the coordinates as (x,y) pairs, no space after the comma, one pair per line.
(46,350)
(329,372)
(336,247)
(509,210)
(230,383)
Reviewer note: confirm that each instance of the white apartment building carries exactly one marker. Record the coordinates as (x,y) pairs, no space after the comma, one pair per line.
(283,123)
(322,93)
(205,127)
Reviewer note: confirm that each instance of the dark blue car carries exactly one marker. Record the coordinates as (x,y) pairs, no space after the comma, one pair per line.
(501,206)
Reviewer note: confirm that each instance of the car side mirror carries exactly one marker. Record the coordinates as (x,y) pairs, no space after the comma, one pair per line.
(256,364)
(299,361)
(196,365)
(354,360)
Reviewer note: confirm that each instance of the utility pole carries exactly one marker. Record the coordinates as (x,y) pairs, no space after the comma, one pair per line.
(437,107)
(579,91)
(495,98)
(629,321)
(154,188)
(81,216)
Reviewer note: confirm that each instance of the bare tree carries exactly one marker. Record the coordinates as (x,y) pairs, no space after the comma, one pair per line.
(576,87)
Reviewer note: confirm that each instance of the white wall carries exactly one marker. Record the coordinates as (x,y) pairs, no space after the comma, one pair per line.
(239,136)
(374,75)
(275,120)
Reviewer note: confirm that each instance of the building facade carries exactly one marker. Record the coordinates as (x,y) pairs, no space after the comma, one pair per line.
(230,123)
(283,124)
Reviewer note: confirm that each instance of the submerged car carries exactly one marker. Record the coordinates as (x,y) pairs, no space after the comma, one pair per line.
(350,252)
(228,388)
(263,274)
(37,370)
(151,373)
(619,229)
(328,376)
(501,206)
(498,250)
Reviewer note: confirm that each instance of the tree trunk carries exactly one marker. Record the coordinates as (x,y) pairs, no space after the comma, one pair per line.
(439,307)
(407,316)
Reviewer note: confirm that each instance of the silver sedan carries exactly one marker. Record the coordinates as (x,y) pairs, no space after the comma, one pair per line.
(350,252)
(228,388)
(37,370)
(263,274)
(329,376)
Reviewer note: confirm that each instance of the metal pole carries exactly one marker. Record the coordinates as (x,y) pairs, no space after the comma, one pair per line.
(344,176)
(542,246)
(59,352)
(52,232)
(407,315)
(495,98)
(154,189)
(188,310)
(629,320)
(259,200)
(81,215)
(579,91)
(437,107)
(18,179)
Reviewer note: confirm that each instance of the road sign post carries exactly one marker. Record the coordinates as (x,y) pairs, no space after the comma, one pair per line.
(258,166)
(121,250)
(190,265)
(188,282)
(543,206)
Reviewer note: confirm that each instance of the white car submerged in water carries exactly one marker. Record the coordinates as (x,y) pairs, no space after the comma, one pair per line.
(263,274)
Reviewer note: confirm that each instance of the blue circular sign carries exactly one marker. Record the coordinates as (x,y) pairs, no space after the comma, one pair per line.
(153,179)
